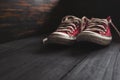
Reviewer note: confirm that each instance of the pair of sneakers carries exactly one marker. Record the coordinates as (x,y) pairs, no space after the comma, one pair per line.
(73,29)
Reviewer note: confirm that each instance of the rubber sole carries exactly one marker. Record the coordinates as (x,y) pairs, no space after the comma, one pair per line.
(59,40)
(94,38)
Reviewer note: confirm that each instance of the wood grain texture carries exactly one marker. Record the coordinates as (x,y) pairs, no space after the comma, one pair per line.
(19,18)
(100,65)
(29,59)
(33,58)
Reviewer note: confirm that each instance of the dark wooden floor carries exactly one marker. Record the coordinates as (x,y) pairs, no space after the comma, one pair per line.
(29,59)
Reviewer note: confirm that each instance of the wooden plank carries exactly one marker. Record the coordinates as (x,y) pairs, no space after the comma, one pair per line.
(100,65)
(22,18)
(10,47)
(38,62)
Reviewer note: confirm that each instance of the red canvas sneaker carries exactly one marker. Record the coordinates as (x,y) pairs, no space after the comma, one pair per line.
(97,31)
(67,31)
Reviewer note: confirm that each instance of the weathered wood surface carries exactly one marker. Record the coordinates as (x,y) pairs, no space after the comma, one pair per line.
(19,18)
(29,59)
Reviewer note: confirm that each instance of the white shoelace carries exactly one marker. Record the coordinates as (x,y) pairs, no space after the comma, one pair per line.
(98,22)
(69,24)
(115,28)
(70,27)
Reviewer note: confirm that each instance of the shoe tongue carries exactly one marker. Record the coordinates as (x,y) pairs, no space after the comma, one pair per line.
(98,20)
(95,19)
(70,18)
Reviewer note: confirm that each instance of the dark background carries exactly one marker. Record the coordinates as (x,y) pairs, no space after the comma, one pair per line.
(89,8)
(23,18)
